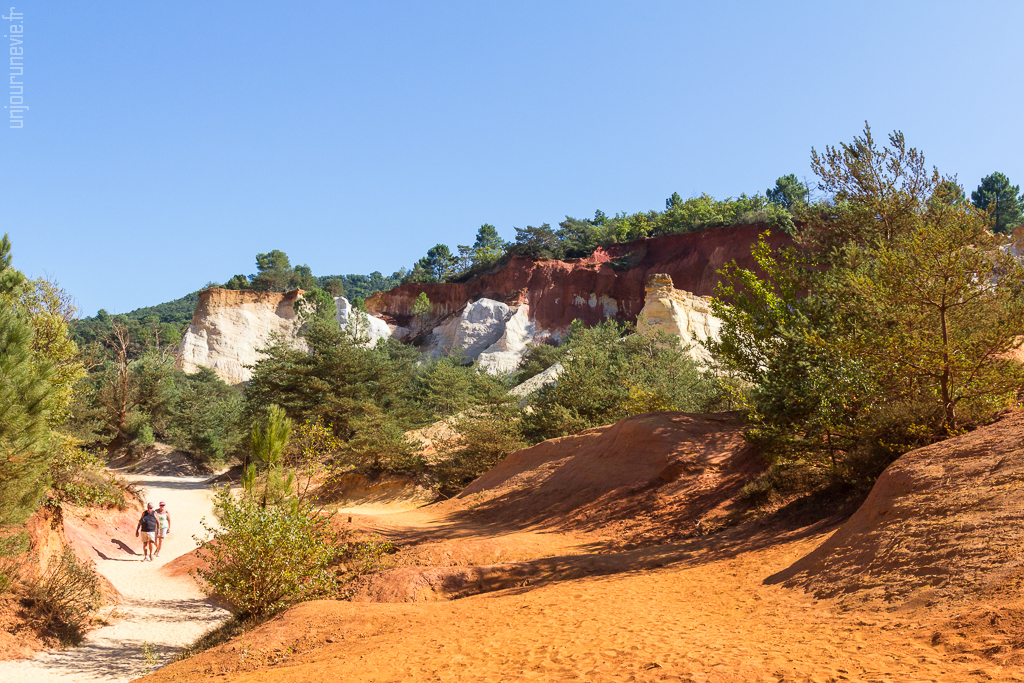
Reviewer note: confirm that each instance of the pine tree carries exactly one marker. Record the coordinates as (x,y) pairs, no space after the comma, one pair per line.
(26,443)
(996,193)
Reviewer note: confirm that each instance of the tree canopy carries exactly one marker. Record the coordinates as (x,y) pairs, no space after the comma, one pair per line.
(996,194)
(788,192)
(886,327)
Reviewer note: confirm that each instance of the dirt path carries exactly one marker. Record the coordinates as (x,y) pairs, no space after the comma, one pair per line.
(164,613)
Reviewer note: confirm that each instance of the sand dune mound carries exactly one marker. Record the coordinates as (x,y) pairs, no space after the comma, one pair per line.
(649,477)
(555,510)
(945,520)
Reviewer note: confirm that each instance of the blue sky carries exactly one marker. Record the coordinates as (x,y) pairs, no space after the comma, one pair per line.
(167,143)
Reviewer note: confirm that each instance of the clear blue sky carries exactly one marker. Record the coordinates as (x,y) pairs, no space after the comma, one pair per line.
(167,143)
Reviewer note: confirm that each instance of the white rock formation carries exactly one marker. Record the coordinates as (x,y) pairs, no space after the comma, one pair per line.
(477,327)
(505,354)
(678,312)
(228,327)
(374,327)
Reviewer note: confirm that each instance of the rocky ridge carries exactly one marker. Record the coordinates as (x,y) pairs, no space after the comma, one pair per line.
(494,318)
(230,326)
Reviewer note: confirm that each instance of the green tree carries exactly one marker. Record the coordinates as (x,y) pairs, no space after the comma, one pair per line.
(674,201)
(886,330)
(237,282)
(996,194)
(276,274)
(131,391)
(635,227)
(788,192)
(338,379)
(447,387)
(335,286)
(422,309)
(488,247)
(27,444)
(579,238)
(949,192)
(379,444)
(316,304)
(439,263)
(275,260)
(205,416)
(268,441)
(537,243)
(945,308)
(51,314)
(877,192)
(274,271)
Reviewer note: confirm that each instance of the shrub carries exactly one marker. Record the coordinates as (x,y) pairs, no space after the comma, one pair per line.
(355,559)
(264,559)
(537,359)
(364,557)
(64,598)
(607,377)
(78,478)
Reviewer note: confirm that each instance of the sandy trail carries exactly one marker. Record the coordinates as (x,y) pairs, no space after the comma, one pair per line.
(165,613)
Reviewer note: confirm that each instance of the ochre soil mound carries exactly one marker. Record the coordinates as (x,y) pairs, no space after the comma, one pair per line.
(91,533)
(556,510)
(569,564)
(648,478)
(943,528)
(943,520)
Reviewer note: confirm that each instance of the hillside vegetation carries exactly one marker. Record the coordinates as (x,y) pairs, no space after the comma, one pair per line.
(886,325)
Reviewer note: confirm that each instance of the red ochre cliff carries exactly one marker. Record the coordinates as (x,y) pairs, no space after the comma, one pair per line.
(591,289)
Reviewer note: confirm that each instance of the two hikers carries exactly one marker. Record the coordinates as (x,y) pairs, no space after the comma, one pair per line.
(154,525)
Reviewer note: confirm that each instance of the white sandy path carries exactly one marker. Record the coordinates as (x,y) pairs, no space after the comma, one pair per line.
(166,613)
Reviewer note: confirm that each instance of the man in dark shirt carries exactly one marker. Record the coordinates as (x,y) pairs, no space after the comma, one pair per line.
(148,524)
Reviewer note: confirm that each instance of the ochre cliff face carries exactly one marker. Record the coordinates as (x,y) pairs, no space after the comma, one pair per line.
(228,327)
(590,289)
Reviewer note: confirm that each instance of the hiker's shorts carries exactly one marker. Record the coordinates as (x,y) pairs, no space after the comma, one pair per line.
(150,536)
(162,533)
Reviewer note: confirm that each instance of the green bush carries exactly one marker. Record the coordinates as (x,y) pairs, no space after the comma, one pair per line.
(607,377)
(355,558)
(264,559)
(65,597)
(537,359)
(79,478)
